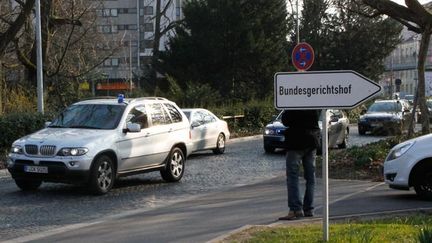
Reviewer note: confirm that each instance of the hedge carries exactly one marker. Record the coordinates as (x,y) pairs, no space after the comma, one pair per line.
(16,125)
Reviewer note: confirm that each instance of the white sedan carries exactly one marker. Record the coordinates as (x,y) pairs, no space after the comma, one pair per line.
(207,130)
(409,164)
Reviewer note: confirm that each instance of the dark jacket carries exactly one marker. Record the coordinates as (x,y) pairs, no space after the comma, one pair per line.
(302,129)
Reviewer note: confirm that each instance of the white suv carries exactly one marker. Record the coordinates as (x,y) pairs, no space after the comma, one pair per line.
(93,142)
(409,164)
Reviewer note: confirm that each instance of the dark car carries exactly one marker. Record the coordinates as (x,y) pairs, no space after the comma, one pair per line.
(429,106)
(338,131)
(385,116)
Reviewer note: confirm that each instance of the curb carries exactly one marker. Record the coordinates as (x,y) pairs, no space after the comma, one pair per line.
(241,139)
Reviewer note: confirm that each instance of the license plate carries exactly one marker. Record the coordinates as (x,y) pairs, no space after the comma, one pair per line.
(36,169)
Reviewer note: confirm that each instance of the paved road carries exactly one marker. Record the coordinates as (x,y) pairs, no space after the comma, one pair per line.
(208,217)
(58,205)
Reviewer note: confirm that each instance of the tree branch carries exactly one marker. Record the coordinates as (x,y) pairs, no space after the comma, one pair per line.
(9,35)
(394,10)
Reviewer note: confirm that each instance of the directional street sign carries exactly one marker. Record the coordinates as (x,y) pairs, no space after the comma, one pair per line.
(322,90)
(303,56)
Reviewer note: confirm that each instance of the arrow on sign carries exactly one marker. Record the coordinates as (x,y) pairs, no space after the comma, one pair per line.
(322,90)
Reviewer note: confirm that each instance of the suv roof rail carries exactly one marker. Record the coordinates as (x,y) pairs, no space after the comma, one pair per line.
(148,98)
(99,98)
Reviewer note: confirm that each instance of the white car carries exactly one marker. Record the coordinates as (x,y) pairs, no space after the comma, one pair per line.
(207,130)
(93,142)
(409,164)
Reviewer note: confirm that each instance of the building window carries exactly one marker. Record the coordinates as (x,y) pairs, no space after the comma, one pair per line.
(107,12)
(114,12)
(148,27)
(107,29)
(130,43)
(127,27)
(126,60)
(111,62)
(147,44)
(148,10)
(123,10)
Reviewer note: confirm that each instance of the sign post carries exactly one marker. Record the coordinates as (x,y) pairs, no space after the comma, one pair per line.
(322,90)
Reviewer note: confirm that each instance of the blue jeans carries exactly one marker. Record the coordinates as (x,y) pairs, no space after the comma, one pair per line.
(293,160)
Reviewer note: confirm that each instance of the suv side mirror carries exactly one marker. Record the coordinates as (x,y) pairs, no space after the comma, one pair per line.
(132,127)
(195,124)
(363,111)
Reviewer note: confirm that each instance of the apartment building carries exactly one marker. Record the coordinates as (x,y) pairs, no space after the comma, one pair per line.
(401,66)
(128,27)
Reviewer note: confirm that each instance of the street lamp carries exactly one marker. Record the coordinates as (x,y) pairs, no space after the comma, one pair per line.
(39,64)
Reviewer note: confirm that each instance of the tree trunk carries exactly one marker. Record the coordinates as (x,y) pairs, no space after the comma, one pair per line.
(156,43)
(424,44)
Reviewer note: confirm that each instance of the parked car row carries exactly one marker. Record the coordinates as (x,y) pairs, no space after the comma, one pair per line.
(338,131)
(96,141)
(429,106)
(385,116)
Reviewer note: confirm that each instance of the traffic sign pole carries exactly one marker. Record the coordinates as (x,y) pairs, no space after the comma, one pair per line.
(323,90)
(325,176)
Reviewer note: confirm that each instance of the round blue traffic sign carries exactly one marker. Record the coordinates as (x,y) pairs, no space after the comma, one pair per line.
(303,56)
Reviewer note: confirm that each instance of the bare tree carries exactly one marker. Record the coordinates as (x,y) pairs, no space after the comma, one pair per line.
(13,21)
(163,25)
(417,19)
(71,43)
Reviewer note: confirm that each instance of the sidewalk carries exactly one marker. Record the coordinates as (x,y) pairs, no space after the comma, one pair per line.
(4,173)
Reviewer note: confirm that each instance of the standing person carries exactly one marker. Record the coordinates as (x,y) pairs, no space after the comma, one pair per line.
(301,141)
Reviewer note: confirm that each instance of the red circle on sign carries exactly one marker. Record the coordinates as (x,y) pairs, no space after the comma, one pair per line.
(303,56)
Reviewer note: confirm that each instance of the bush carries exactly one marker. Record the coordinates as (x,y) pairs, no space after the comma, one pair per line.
(16,125)
(256,114)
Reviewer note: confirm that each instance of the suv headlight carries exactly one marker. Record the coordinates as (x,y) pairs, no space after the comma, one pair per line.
(269,131)
(72,151)
(16,149)
(399,150)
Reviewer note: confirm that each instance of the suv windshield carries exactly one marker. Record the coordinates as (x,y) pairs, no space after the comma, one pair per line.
(385,107)
(89,116)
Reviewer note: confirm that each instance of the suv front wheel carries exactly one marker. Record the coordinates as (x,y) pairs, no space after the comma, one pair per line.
(102,175)
(175,165)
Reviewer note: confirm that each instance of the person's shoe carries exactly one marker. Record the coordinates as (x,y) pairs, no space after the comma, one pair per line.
(308,213)
(292,215)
